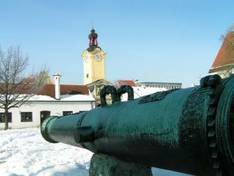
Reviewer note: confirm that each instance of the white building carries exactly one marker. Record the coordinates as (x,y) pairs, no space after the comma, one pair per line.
(146,88)
(165,85)
(140,91)
(52,100)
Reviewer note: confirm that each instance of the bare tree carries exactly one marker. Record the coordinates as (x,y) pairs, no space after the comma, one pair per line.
(15,87)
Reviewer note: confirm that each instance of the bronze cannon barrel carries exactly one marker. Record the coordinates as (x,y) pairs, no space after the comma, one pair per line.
(186,130)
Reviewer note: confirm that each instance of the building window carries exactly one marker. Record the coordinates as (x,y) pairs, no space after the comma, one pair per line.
(2,119)
(67,113)
(44,115)
(26,116)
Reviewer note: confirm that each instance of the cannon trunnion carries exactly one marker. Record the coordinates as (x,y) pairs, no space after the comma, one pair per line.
(186,130)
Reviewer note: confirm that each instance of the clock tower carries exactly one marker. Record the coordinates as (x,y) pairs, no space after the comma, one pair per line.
(93,60)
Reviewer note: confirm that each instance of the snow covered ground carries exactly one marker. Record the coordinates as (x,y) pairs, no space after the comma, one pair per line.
(23,152)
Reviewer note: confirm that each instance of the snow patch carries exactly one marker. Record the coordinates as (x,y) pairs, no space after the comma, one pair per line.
(24,152)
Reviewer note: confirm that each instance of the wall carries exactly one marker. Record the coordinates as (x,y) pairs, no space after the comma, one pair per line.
(87,66)
(224,73)
(55,107)
(93,65)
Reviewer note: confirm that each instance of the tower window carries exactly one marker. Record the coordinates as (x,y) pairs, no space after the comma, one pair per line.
(87,75)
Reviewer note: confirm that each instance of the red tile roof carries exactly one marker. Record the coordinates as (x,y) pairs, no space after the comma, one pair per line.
(225,56)
(49,90)
(126,82)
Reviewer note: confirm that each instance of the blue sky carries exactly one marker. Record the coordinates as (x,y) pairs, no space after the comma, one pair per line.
(147,40)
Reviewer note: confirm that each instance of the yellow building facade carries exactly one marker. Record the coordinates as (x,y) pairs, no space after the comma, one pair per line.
(93,61)
(94,65)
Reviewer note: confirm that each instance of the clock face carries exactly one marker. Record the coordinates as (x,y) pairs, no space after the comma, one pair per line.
(97,57)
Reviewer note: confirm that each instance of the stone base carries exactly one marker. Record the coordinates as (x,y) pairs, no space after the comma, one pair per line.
(104,165)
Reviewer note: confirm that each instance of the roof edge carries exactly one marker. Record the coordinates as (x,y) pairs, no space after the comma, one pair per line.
(221,68)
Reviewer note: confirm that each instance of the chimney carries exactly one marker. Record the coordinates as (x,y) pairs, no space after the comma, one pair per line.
(57,77)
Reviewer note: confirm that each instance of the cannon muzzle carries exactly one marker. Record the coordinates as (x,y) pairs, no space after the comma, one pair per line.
(187,130)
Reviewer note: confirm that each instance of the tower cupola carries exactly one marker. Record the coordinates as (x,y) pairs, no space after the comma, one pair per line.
(94,60)
(93,40)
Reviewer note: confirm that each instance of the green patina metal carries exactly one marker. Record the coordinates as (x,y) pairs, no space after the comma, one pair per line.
(104,165)
(186,130)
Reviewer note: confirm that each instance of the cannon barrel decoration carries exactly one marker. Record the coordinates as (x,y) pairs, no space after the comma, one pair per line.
(186,130)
